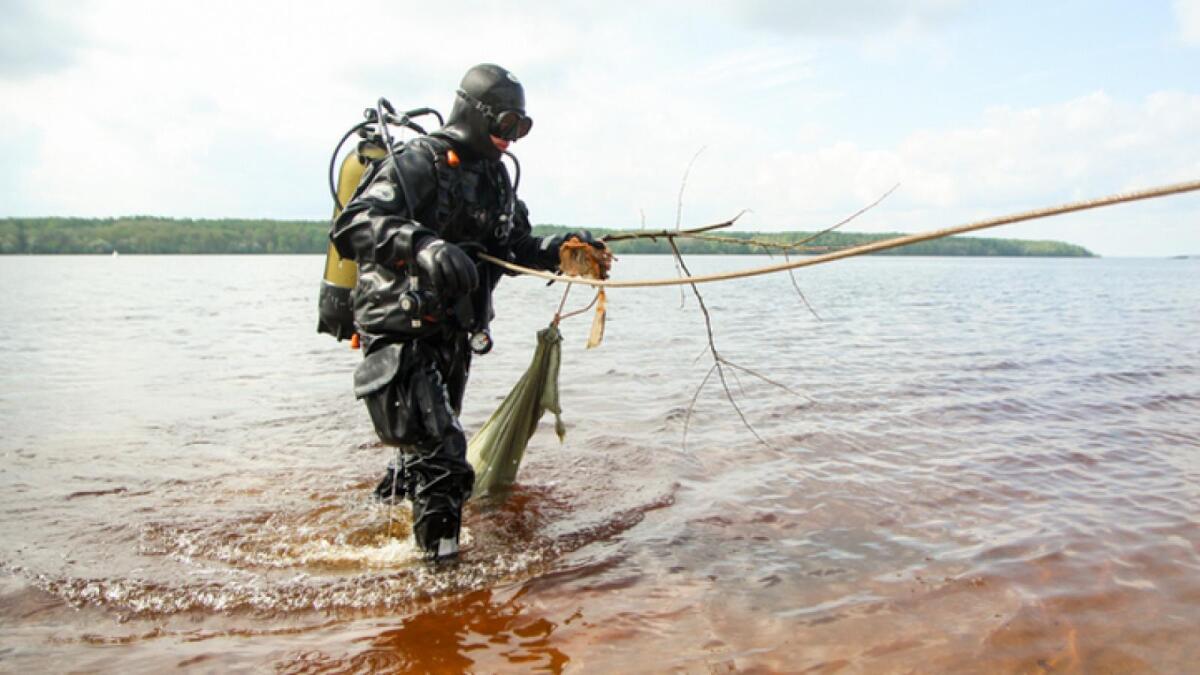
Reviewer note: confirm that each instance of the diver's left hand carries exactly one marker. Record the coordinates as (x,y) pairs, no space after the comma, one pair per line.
(586,237)
(574,259)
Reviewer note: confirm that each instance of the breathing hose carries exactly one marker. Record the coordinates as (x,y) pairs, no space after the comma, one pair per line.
(376,116)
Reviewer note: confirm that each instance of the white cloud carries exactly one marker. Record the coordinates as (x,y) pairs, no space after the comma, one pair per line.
(1187,12)
(24,49)
(1009,160)
(847,17)
(1019,159)
(228,109)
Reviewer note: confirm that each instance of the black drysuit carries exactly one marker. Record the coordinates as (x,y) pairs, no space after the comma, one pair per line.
(417,360)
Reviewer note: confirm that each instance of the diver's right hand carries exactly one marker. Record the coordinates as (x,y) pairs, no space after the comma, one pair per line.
(448,268)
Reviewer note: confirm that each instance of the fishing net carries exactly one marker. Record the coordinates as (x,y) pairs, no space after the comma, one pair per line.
(496,450)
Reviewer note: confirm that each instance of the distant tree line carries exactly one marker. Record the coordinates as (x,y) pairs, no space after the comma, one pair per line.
(950,246)
(147,234)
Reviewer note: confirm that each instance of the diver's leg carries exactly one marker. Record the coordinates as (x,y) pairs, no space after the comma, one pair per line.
(439,481)
(454,361)
(391,488)
(438,477)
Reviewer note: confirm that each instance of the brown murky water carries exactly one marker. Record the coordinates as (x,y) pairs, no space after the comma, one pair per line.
(993,465)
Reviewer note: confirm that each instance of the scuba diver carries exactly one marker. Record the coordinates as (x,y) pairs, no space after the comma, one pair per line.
(422,301)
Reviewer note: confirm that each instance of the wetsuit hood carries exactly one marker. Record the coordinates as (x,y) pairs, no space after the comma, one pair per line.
(468,127)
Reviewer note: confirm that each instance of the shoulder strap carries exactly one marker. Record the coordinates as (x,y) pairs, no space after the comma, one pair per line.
(449,176)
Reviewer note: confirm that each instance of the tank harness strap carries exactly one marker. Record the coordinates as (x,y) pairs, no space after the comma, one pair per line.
(449,177)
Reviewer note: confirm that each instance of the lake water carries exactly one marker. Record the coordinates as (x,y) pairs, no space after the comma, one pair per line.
(985,465)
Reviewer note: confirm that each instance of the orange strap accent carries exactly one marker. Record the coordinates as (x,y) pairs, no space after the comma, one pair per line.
(354,341)
(452,158)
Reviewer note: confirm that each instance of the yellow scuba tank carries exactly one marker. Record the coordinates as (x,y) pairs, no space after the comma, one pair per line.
(335,306)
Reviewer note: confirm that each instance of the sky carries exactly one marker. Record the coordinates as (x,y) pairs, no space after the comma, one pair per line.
(801,112)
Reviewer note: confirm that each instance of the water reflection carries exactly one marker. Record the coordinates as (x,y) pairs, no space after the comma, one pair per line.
(476,632)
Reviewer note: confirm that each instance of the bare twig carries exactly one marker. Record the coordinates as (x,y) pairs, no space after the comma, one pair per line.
(718,360)
(796,285)
(679,272)
(768,245)
(699,232)
(1156,192)
(784,247)
(736,408)
(683,186)
(766,379)
(850,217)
(831,228)
(656,234)
(687,418)
(679,220)
(738,381)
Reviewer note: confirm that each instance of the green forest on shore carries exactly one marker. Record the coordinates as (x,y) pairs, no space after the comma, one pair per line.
(148,234)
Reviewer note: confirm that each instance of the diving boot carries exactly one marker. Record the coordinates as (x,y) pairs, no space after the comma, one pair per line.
(439,482)
(437,520)
(392,487)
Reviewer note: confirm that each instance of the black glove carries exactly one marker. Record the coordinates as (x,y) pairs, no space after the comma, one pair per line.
(449,270)
(556,242)
(571,263)
(584,236)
